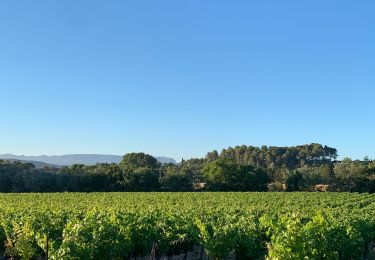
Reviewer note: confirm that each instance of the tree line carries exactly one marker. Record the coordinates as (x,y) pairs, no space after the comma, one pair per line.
(242,168)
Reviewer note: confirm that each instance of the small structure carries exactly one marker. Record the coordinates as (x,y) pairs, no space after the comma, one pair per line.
(199,185)
(277,186)
(321,187)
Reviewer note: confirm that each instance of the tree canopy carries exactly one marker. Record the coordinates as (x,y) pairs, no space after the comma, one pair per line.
(242,168)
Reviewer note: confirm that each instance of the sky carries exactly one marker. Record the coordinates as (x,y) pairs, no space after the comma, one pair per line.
(181,78)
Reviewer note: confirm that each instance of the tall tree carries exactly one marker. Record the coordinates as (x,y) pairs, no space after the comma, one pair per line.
(138,162)
(227,175)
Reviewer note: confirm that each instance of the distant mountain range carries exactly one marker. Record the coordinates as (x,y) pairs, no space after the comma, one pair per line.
(70,159)
(37,164)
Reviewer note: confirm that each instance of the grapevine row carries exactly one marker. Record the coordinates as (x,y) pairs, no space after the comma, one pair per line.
(244,225)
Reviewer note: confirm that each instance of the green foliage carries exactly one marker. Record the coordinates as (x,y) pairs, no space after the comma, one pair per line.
(291,157)
(231,231)
(134,162)
(243,168)
(96,236)
(295,182)
(176,182)
(244,225)
(320,237)
(225,175)
(193,169)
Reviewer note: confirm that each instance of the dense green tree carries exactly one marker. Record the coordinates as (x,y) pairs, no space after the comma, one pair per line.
(295,182)
(141,181)
(314,175)
(292,157)
(141,162)
(226,175)
(5,176)
(193,169)
(140,172)
(212,156)
(242,168)
(352,175)
(176,182)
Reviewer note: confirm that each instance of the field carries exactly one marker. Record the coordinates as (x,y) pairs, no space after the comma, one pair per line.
(189,225)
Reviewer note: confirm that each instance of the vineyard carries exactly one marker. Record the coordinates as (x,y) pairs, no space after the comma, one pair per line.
(188,225)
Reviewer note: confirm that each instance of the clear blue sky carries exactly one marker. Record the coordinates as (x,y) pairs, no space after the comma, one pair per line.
(180,78)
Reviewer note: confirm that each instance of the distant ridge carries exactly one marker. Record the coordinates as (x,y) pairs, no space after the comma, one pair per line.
(70,159)
(38,165)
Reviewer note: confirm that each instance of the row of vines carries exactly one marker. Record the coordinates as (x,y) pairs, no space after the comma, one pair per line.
(240,225)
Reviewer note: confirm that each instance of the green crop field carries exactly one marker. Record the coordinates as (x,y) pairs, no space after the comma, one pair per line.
(217,225)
